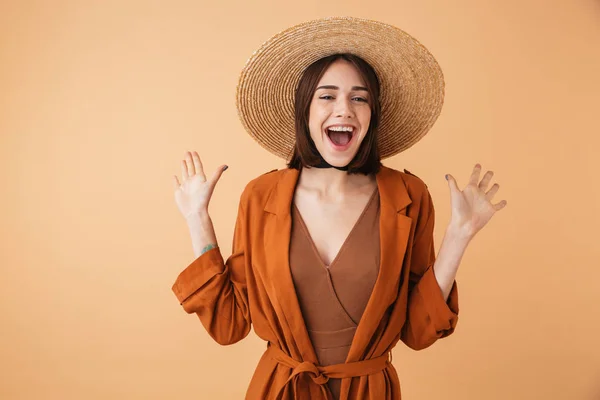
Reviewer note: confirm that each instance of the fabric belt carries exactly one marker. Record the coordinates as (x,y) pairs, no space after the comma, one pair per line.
(321,374)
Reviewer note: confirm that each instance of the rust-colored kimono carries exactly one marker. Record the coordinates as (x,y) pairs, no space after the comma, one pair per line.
(254,287)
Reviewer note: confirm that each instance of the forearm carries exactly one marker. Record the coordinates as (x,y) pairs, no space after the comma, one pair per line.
(448,259)
(202,233)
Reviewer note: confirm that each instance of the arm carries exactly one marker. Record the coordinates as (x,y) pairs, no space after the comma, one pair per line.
(448,260)
(215,290)
(432,304)
(202,233)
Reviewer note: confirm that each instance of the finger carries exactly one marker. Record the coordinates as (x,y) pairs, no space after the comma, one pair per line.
(486,180)
(490,194)
(453,184)
(217,175)
(475,175)
(500,206)
(184,172)
(176,182)
(190,164)
(198,165)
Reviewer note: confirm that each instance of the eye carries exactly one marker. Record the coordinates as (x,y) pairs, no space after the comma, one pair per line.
(360,99)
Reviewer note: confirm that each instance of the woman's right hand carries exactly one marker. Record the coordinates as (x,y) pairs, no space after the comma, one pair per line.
(193,194)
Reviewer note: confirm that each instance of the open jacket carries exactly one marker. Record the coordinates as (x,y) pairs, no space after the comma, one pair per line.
(254,287)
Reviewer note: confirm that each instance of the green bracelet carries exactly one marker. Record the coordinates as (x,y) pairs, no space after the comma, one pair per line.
(207,248)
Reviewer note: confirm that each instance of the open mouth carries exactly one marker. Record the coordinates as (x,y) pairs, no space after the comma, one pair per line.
(339,138)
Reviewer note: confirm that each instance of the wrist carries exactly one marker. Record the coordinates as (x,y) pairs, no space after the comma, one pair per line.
(458,233)
(197,214)
(197,218)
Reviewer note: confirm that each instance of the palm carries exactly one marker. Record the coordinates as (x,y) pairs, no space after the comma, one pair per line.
(193,194)
(472,207)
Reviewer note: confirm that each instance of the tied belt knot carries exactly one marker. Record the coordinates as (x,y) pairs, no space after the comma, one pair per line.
(310,368)
(321,374)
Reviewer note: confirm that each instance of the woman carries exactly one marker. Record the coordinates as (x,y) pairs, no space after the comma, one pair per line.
(333,257)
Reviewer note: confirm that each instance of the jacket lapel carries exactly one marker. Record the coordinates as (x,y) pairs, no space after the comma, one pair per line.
(394,230)
(278,229)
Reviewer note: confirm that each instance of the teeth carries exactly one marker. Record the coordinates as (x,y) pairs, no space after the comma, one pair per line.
(341,128)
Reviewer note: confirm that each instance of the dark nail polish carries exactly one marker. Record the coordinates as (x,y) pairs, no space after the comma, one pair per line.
(225,167)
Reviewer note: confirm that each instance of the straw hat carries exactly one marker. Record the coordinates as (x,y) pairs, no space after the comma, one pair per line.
(412,83)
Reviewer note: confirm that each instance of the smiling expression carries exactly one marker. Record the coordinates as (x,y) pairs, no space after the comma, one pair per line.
(339,111)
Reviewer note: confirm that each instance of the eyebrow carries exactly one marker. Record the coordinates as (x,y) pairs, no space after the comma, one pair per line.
(337,88)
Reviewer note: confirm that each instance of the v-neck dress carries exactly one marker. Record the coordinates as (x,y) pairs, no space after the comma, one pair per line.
(333,298)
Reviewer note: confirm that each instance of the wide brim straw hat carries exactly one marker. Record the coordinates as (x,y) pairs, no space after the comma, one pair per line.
(411,80)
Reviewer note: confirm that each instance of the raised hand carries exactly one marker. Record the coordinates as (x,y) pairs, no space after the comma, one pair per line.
(193,194)
(472,207)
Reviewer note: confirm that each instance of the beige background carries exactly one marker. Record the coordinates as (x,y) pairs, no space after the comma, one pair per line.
(100,99)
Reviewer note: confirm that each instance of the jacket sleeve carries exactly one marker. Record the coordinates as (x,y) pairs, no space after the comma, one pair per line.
(216,291)
(429,316)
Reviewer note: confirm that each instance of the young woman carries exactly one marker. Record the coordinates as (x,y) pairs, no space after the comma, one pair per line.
(333,257)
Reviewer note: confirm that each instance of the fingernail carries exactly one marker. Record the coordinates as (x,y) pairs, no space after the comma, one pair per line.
(446,176)
(225,167)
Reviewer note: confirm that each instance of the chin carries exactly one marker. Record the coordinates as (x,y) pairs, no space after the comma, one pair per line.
(339,161)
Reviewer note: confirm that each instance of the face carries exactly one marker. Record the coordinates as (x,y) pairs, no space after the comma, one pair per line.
(339,113)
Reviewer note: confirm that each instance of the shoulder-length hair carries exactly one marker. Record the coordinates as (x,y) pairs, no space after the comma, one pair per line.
(305,154)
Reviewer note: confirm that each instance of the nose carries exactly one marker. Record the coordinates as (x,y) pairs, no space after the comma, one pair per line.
(344,108)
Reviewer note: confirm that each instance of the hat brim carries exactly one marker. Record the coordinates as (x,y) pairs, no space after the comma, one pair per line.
(411,80)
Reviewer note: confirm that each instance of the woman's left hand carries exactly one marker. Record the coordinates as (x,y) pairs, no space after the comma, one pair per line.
(472,207)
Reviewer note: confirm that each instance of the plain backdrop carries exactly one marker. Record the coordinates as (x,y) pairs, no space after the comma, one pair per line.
(99,100)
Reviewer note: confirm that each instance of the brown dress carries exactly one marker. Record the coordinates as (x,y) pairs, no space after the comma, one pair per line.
(333,298)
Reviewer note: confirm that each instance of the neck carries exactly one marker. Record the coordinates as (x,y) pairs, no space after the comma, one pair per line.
(332,183)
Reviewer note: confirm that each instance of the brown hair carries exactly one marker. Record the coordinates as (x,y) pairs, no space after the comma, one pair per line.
(367,159)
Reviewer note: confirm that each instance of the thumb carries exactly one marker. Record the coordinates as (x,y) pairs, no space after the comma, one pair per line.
(217,175)
(452,183)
